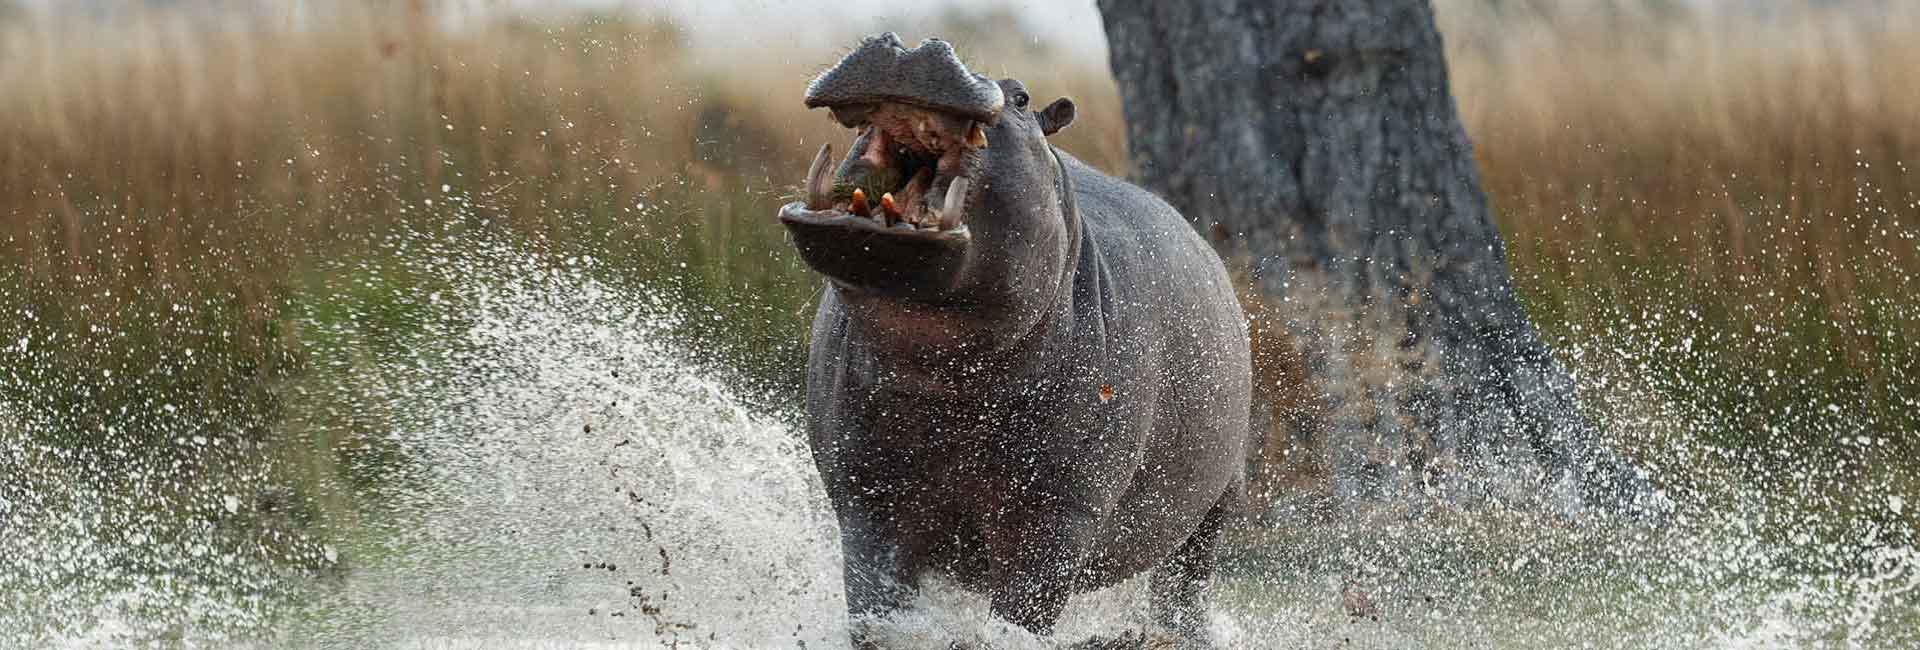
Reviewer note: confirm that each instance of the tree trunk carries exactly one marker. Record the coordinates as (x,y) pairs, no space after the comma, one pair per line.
(1318,141)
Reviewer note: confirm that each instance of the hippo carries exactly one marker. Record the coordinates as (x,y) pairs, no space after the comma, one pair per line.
(1024,374)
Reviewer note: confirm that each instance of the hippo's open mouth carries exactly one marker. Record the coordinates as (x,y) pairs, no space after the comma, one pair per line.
(917,116)
(909,171)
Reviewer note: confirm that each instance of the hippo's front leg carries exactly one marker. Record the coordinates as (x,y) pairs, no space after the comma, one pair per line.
(1035,560)
(863,483)
(875,580)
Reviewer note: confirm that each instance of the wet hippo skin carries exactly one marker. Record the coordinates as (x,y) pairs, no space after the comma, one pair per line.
(1024,374)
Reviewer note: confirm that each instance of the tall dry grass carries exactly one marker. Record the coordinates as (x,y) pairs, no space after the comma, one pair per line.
(160,139)
(166,180)
(158,143)
(1739,164)
(1763,157)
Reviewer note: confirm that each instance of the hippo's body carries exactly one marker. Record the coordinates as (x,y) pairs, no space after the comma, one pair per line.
(1041,389)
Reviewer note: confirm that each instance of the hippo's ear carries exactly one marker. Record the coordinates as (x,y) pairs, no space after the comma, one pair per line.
(1055,116)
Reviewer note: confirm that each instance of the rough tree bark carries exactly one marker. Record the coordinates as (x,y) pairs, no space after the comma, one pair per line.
(1318,141)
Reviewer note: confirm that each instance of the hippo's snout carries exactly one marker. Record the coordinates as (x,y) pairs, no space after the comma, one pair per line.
(892,216)
(901,175)
(918,117)
(914,233)
(908,168)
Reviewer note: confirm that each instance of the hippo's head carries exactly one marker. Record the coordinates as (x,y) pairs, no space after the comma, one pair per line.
(949,194)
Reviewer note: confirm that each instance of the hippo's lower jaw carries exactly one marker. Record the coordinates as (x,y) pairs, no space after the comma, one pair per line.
(866,253)
(798,216)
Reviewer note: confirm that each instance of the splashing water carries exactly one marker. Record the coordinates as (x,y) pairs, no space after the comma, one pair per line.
(573,473)
(581,478)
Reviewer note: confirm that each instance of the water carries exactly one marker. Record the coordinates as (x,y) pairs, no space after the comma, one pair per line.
(560,466)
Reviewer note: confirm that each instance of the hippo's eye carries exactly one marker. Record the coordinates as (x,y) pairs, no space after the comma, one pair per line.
(1020,99)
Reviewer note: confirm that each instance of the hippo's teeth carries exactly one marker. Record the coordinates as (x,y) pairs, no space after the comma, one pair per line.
(956,201)
(818,184)
(888,208)
(976,137)
(859,204)
(912,199)
(879,148)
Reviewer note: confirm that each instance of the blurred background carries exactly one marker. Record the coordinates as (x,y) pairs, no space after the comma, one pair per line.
(253,258)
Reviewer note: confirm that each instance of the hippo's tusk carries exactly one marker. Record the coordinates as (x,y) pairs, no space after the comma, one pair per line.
(976,138)
(818,184)
(859,203)
(956,201)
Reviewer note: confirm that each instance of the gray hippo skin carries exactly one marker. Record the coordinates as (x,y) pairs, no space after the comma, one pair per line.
(1025,374)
